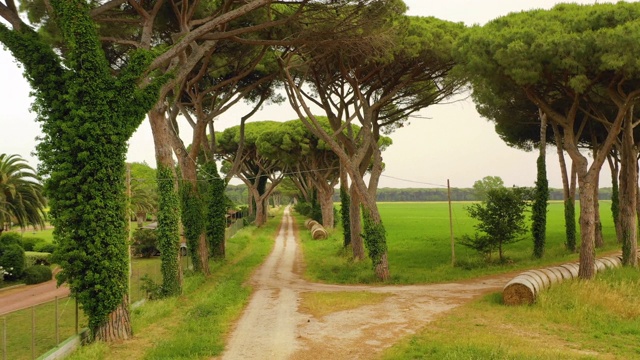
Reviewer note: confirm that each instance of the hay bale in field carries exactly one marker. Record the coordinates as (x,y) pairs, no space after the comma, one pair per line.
(309,223)
(318,232)
(524,288)
(554,278)
(520,290)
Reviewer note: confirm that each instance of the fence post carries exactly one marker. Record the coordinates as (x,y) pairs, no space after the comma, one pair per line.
(33,332)
(57,317)
(76,316)
(4,338)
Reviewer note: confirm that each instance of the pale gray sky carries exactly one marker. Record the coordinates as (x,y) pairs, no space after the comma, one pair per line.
(451,142)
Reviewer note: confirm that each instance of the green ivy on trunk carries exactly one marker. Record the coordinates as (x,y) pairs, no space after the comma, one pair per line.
(216,210)
(168,229)
(344,213)
(192,210)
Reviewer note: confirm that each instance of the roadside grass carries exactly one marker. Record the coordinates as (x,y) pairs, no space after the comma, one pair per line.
(19,323)
(40,321)
(597,319)
(195,324)
(320,304)
(419,246)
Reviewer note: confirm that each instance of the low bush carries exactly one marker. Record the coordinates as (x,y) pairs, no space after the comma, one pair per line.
(37,258)
(37,274)
(10,238)
(145,243)
(45,247)
(13,260)
(29,242)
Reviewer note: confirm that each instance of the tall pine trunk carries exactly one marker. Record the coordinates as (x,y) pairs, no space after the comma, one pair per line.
(357,244)
(628,194)
(614,167)
(568,192)
(541,196)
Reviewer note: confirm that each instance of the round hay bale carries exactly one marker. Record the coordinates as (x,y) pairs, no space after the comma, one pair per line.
(546,282)
(309,223)
(609,263)
(556,272)
(600,265)
(519,291)
(537,280)
(566,274)
(573,268)
(318,232)
(553,277)
(614,260)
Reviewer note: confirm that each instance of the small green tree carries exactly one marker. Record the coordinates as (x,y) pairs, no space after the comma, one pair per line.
(481,187)
(501,220)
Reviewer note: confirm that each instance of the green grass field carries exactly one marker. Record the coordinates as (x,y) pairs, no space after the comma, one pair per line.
(419,246)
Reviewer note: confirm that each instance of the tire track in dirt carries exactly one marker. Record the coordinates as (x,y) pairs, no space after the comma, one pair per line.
(271,326)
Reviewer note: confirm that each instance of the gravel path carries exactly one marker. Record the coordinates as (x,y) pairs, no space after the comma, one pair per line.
(272,328)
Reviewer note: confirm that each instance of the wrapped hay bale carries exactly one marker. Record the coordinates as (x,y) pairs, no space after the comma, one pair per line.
(309,223)
(318,232)
(524,288)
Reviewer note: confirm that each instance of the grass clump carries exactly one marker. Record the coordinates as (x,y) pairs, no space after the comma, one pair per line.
(573,320)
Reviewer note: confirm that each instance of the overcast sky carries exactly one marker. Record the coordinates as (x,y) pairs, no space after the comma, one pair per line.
(447,141)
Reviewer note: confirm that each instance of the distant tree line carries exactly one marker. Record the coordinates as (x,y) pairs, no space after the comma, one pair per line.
(457,194)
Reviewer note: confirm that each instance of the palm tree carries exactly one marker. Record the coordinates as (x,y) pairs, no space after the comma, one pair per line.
(21,194)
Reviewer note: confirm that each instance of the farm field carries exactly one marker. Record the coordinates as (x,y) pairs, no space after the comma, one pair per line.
(419,246)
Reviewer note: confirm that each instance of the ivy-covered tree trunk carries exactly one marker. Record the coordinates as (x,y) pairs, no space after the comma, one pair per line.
(541,196)
(615,194)
(164,159)
(568,192)
(192,211)
(344,212)
(628,195)
(374,237)
(87,116)
(357,244)
(216,210)
(168,230)
(599,239)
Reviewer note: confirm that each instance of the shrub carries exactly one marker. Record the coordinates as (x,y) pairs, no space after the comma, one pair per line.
(145,243)
(45,247)
(37,274)
(501,220)
(13,260)
(29,242)
(37,258)
(10,238)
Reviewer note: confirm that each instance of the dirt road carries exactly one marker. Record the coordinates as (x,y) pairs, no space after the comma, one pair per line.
(271,326)
(26,296)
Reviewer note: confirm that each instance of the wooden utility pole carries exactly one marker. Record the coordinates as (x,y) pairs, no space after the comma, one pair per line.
(453,249)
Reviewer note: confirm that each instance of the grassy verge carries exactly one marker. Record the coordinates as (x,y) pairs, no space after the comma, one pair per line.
(39,322)
(419,246)
(599,319)
(194,325)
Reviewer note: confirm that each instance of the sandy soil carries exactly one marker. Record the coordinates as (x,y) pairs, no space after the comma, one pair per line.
(271,326)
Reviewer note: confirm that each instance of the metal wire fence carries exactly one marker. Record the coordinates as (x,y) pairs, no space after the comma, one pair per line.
(32,331)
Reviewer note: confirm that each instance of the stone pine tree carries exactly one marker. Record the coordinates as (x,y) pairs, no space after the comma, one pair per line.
(562,59)
(402,66)
(87,114)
